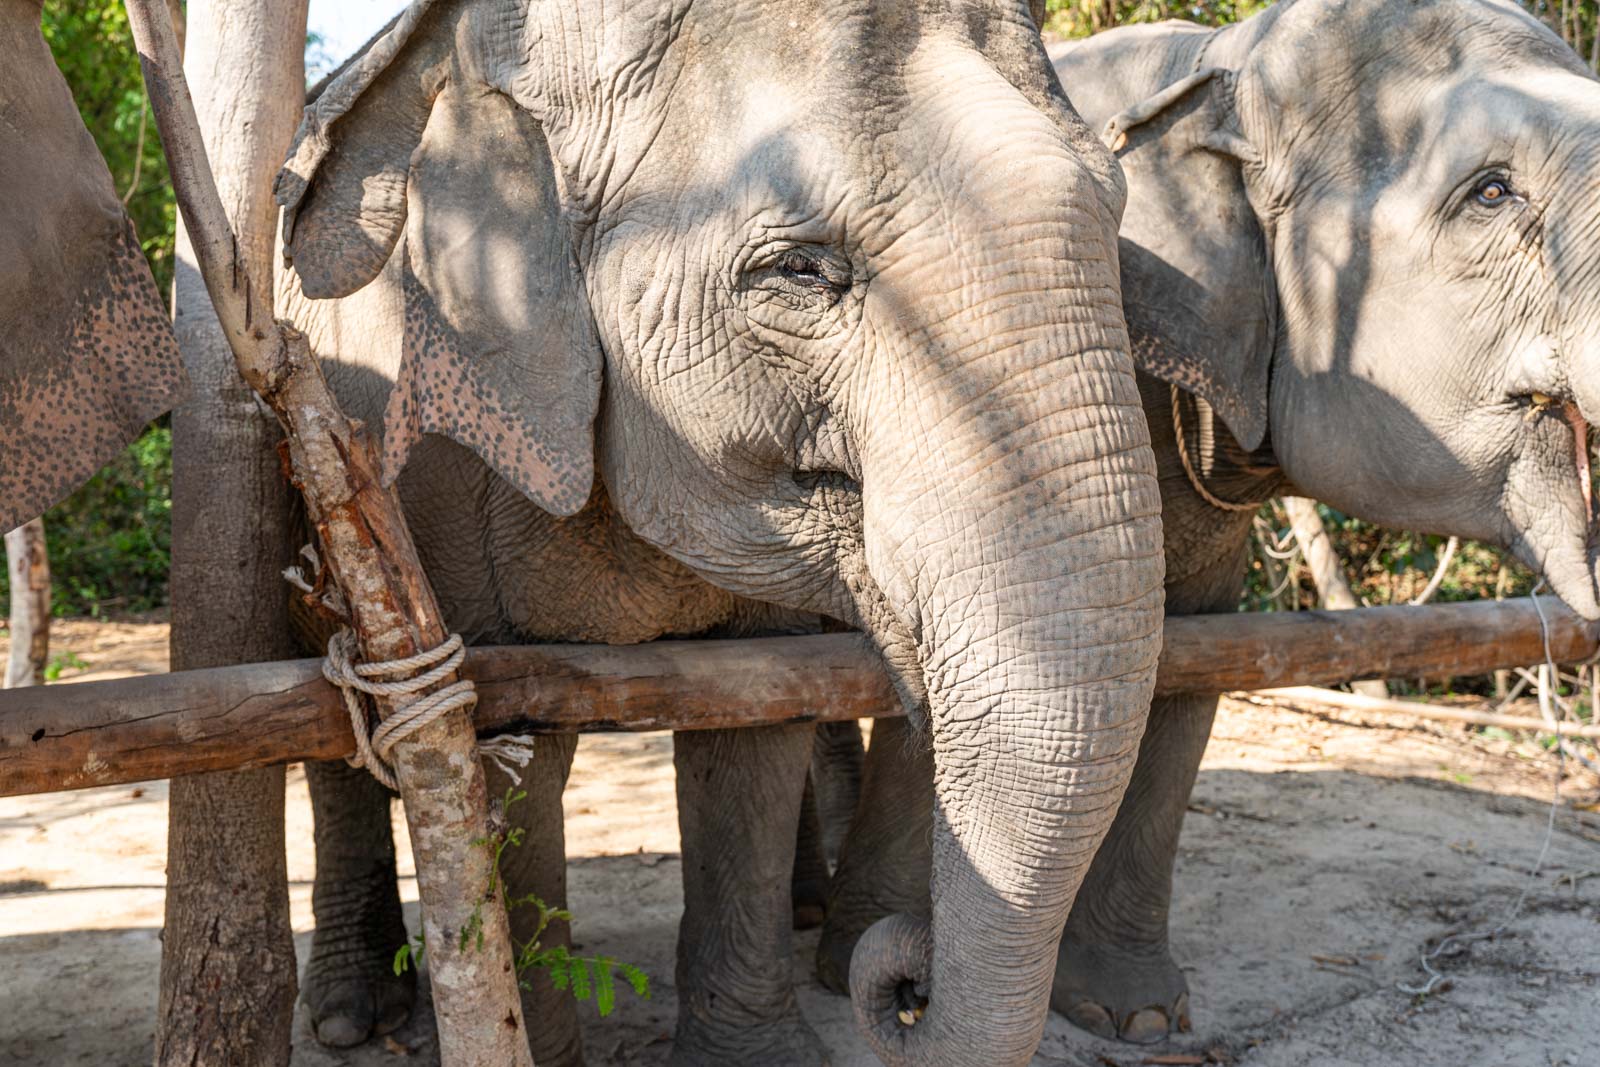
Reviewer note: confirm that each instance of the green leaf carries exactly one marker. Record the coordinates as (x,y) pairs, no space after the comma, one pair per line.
(581,987)
(605,992)
(636,979)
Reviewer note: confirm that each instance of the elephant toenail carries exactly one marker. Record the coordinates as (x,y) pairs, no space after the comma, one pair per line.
(341,1031)
(1180,1009)
(1087,1015)
(1145,1026)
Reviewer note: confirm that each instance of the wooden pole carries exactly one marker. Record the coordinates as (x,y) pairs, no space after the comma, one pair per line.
(1305,694)
(102,733)
(1327,572)
(228,971)
(28,572)
(371,558)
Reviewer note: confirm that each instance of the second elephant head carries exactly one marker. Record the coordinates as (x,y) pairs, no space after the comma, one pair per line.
(1366,231)
(765,272)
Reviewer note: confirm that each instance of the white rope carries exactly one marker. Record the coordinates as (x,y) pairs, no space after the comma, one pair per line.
(511,753)
(414,706)
(1188,464)
(1435,976)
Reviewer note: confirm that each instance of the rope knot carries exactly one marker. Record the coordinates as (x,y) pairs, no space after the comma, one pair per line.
(407,683)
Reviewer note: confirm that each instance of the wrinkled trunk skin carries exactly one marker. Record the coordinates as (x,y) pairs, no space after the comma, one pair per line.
(228,963)
(1012,523)
(28,567)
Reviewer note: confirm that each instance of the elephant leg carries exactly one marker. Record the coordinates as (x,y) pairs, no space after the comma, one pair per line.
(808,890)
(832,789)
(886,861)
(539,866)
(1115,975)
(349,985)
(837,759)
(739,797)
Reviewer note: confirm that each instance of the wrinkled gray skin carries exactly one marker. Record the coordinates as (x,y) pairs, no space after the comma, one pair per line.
(845,370)
(1308,252)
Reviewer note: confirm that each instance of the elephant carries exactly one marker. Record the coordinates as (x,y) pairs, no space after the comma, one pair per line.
(1357,265)
(724,318)
(87,355)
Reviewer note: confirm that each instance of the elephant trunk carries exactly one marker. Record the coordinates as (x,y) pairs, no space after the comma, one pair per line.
(1012,525)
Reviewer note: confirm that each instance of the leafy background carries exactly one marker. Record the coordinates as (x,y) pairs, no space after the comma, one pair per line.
(110,542)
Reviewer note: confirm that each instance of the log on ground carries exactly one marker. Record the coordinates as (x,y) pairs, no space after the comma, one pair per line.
(137,729)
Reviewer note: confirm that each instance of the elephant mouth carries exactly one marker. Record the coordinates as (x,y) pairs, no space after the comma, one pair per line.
(1565,551)
(1544,405)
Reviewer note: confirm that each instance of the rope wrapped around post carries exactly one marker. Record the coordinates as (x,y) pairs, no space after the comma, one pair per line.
(373,744)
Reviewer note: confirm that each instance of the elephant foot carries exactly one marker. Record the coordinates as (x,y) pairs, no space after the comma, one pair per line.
(350,1003)
(787,1042)
(1120,997)
(349,987)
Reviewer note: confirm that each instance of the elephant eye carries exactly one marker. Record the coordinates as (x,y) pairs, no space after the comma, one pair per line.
(1492,192)
(798,266)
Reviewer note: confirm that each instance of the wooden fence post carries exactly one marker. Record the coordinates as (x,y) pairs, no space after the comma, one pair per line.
(370,555)
(228,970)
(28,570)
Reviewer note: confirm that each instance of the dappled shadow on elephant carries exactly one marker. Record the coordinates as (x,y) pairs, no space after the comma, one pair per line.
(776,329)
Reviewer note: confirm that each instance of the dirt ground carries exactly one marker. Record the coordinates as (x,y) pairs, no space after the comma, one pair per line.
(1321,855)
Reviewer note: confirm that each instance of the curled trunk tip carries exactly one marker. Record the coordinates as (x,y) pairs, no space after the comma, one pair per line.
(889,985)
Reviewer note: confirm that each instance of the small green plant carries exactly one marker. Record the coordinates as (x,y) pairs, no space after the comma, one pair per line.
(586,977)
(64,660)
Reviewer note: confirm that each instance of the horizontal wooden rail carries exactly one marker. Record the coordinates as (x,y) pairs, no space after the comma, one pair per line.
(137,729)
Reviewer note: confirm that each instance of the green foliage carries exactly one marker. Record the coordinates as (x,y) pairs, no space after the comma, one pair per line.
(110,542)
(1576,21)
(587,977)
(1383,566)
(1080,18)
(61,662)
(94,49)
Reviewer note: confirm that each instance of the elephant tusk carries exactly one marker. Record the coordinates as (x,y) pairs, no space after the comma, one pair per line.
(1580,447)
(909,1016)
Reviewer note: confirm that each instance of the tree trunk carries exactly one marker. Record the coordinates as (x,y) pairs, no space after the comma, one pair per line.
(1333,589)
(29,567)
(228,965)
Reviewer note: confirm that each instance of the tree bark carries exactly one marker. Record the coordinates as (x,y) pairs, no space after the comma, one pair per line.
(392,610)
(228,973)
(1333,588)
(135,729)
(28,566)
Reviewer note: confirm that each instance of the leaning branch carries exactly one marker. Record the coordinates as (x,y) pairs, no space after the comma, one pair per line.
(371,558)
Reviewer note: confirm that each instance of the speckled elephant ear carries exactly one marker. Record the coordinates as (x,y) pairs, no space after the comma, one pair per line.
(500,353)
(87,355)
(1197,284)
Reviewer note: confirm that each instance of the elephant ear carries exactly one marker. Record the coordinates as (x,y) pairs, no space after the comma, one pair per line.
(87,355)
(499,352)
(1197,282)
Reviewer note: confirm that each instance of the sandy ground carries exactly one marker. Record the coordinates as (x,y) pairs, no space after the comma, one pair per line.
(1321,855)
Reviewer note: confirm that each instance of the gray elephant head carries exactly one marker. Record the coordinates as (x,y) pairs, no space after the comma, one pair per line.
(764,268)
(87,355)
(1365,230)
